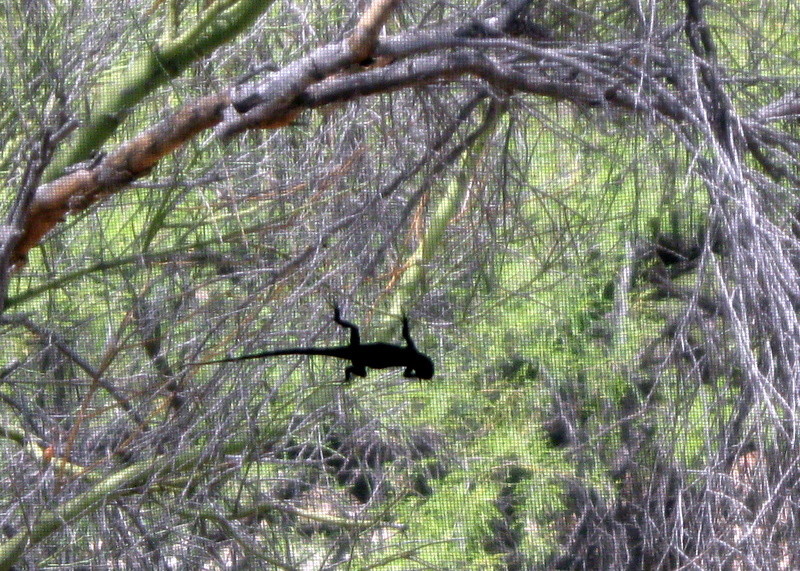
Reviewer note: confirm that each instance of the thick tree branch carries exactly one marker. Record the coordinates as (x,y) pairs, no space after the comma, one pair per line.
(365,37)
(610,75)
(131,160)
(122,92)
(265,103)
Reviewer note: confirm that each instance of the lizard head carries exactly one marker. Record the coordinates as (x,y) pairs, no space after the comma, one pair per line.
(423,367)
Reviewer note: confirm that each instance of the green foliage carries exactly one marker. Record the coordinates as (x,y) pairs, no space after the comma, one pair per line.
(520,292)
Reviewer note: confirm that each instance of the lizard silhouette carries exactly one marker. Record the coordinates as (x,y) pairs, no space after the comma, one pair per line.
(361,355)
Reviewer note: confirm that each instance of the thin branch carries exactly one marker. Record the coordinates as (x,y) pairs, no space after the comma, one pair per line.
(61,345)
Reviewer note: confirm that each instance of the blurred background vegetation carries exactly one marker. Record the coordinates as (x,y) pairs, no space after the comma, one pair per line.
(562,264)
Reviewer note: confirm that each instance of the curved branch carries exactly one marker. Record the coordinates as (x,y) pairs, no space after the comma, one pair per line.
(605,76)
(264,104)
(131,160)
(121,92)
